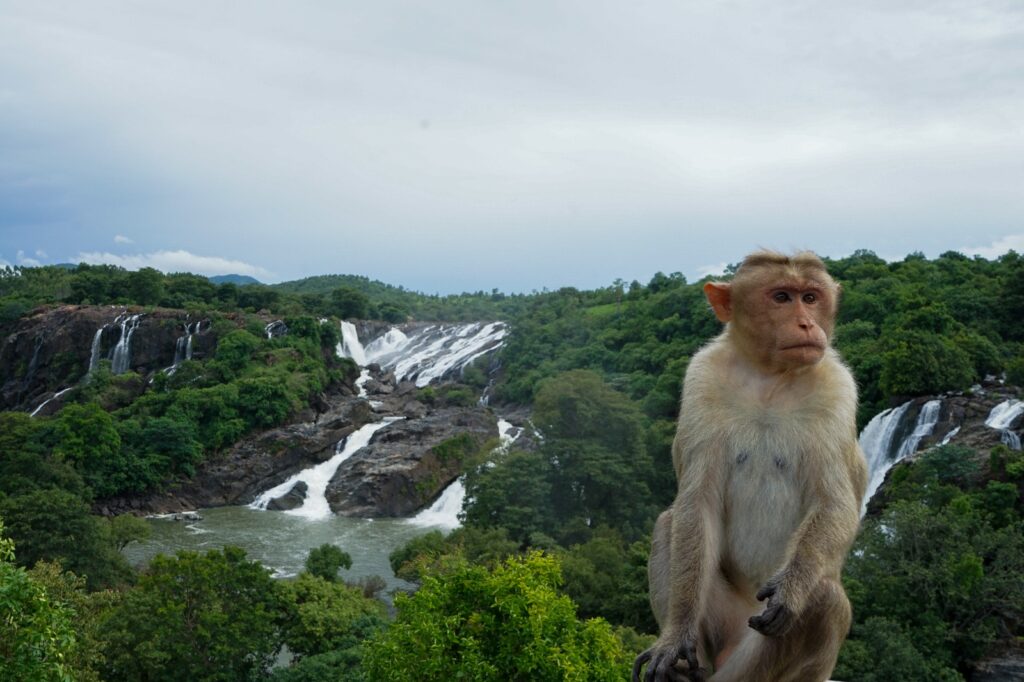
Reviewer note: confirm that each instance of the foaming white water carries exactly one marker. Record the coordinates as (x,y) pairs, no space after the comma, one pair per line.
(1002,416)
(436,351)
(121,357)
(317,477)
(350,347)
(53,397)
(364,376)
(384,348)
(94,353)
(876,442)
(926,422)
(444,513)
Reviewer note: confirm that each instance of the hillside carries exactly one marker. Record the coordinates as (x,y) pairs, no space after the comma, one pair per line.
(142,392)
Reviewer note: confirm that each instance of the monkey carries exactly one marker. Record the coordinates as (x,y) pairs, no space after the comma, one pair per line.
(770,480)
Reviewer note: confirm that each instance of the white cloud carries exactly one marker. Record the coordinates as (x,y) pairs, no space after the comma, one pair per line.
(41,254)
(174,261)
(998,247)
(26,261)
(712,270)
(121,239)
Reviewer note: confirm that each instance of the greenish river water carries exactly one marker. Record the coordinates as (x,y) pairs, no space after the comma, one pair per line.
(281,541)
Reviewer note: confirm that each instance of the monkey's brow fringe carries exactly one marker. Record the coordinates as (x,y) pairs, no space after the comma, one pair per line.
(803,259)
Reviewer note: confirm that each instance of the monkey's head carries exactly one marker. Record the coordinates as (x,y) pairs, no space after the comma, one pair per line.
(780,309)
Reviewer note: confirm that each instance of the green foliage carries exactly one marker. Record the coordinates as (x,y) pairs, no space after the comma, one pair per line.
(349,304)
(55,525)
(326,560)
(432,551)
(36,635)
(936,578)
(509,623)
(210,616)
(325,615)
(607,577)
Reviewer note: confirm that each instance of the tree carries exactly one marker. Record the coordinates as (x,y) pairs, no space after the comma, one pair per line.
(509,623)
(348,303)
(325,615)
(36,636)
(326,560)
(212,616)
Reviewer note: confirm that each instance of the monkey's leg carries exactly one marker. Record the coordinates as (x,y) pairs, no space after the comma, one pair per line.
(807,653)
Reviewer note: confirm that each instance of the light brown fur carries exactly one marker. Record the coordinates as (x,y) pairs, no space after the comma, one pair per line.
(770,484)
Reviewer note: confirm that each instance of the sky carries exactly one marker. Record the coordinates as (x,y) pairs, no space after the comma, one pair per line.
(467,145)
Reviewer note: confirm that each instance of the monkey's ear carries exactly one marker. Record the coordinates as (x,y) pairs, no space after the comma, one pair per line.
(720,297)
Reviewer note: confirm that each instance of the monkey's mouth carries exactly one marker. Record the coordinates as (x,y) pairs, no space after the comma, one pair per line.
(809,344)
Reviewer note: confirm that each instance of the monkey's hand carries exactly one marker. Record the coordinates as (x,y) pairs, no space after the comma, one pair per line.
(778,617)
(661,662)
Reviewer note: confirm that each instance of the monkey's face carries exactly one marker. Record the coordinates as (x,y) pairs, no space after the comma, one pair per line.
(785,324)
(795,323)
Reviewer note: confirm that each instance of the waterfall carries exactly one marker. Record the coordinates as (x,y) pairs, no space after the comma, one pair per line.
(94,354)
(121,356)
(444,513)
(436,351)
(53,397)
(384,348)
(317,477)
(349,347)
(183,346)
(876,441)
(926,422)
(1002,417)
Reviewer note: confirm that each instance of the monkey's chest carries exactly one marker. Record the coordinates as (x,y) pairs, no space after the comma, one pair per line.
(763,508)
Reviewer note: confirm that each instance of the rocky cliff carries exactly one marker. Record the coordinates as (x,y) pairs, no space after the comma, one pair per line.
(52,348)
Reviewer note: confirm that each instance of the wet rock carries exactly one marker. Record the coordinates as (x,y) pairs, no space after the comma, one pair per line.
(291,499)
(407,464)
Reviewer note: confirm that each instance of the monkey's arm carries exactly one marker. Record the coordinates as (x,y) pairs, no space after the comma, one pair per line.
(693,556)
(821,542)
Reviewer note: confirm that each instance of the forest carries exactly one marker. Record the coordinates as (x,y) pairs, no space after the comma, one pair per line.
(547,578)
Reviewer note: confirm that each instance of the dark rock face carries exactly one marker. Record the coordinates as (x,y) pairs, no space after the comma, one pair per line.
(253,465)
(403,468)
(291,499)
(1008,667)
(51,348)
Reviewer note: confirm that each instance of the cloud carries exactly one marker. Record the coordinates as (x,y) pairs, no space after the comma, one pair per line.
(711,270)
(40,253)
(174,261)
(121,239)
(26,261)
(998,247)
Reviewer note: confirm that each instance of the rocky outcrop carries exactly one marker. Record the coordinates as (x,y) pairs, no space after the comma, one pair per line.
(50,349)
(1007,667)
(253,465)
(409,463)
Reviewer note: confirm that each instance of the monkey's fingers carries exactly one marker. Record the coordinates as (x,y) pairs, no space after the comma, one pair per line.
(766,591)
(639,663)
(775,621)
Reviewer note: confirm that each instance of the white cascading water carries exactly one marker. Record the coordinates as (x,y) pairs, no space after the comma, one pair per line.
(316,478)
(53,397)
(876,440)
(429,354)
(121,356)
(444,513)
(349,346)
(440,350)
(1002,416)
(94,353)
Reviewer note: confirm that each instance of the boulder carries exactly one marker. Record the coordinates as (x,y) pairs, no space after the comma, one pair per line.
(407,464)
(291,499)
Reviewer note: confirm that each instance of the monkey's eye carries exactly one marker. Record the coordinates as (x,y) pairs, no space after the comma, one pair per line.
(810,298)
(781,297)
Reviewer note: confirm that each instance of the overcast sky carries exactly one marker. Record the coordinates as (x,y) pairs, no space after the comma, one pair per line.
(473,144)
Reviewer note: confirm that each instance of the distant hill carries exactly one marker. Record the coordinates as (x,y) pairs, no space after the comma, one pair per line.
(240,280)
